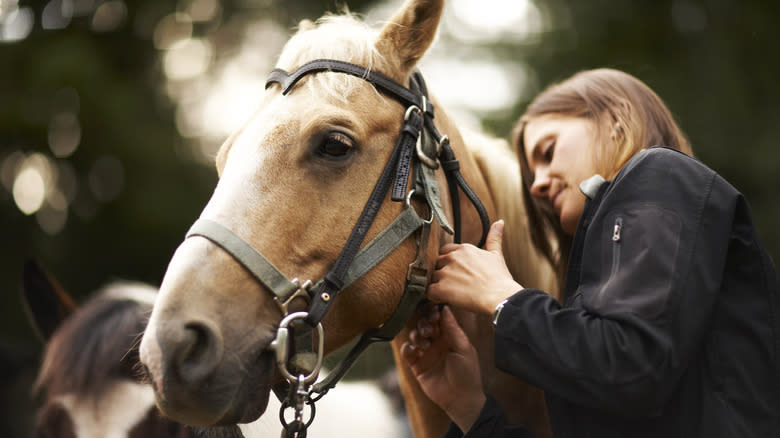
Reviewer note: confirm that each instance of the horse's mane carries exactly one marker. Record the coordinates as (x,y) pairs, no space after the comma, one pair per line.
(499,165)
(82,354)
(344,37)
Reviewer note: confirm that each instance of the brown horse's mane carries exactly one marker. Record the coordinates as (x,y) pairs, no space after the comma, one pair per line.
(81,357)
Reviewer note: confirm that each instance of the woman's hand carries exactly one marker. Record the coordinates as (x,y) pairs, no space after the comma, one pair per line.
(472,278)
(446,366)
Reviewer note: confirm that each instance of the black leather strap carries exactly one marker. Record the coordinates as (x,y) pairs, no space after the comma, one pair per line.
(404,95)
(325,291)
(451,168)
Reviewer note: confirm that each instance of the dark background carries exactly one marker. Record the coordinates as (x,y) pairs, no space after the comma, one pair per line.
(128,194)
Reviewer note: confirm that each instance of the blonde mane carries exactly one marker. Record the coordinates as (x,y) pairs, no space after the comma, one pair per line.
(499,165)
(343,37)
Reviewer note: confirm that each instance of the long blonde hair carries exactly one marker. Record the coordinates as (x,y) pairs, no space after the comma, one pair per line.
(628,117)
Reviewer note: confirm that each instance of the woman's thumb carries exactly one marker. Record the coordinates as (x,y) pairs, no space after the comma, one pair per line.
(494,237)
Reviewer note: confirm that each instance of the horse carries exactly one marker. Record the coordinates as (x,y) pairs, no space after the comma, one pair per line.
(342,152)
(92,384)
(89,376)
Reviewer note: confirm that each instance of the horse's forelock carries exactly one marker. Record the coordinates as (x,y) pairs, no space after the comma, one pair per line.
(343,37)
(95,346)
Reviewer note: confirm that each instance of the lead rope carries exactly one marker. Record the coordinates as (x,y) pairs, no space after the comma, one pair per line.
(299,392)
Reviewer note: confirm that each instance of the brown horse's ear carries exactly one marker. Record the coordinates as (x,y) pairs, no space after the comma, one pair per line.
(410,32)
(46,303)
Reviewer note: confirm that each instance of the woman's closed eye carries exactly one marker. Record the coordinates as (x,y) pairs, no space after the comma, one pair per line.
(547,151)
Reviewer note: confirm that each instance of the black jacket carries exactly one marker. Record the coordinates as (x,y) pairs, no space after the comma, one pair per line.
(671,321)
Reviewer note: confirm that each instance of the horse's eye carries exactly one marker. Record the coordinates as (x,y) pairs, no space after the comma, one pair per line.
(336,145)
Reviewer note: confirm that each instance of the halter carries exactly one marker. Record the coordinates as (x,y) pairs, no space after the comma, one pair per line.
(419,150)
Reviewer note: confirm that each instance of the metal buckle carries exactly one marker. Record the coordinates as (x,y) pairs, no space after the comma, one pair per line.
(428,161)
(302,291)
(409,205)
(410,110)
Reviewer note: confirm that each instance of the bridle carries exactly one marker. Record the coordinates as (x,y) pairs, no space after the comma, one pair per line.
(419,150)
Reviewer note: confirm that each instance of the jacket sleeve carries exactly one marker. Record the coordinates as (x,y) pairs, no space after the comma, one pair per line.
(652,261)
(491,423)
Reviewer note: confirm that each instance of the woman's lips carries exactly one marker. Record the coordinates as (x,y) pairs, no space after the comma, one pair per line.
(556,202)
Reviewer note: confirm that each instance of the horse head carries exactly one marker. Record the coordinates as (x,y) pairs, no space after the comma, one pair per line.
(293,182)
(89,378)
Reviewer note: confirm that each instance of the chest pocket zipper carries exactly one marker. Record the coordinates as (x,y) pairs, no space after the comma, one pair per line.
(616,239)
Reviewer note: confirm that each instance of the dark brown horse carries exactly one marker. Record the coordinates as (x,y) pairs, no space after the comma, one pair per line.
(88,381)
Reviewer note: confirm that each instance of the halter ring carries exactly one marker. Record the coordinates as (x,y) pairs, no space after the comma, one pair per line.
(409,205)
(281,347)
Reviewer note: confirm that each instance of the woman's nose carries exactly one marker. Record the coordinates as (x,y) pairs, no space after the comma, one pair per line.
(541,182)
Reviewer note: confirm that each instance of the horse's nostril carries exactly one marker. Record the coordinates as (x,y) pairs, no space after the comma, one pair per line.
(200,352)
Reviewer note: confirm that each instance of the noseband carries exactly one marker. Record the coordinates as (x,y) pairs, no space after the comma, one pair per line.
(419,151)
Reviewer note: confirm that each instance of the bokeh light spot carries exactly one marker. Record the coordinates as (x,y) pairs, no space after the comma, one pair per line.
(57,14)
(203,10)
(187,59)
(109,16)
(64,134)
(17,24)
(172,29)
(32,182)
(106,178)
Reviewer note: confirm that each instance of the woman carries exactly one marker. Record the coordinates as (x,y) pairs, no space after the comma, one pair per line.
(670,324)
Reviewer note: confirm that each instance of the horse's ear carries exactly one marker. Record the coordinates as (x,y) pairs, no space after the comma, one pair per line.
(305,25)
(47,304)
(410,32)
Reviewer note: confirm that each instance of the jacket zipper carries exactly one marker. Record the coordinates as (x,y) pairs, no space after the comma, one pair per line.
(616,238)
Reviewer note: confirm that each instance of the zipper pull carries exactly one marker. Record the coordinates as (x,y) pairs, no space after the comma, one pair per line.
(616,230)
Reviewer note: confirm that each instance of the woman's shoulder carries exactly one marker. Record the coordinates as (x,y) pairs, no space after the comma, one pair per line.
(668,175)
(671,160)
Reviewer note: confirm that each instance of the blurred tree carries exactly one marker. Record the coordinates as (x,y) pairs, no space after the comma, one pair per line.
(712,61)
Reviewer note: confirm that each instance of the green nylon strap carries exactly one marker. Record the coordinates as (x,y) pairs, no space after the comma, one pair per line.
(260,267)
(272,278)
(427,180)
(413,294)
(383,244)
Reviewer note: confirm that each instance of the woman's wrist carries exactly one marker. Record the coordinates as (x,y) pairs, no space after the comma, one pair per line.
(466,414)
(494,300)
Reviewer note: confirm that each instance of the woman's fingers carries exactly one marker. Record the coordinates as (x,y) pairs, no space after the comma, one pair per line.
(452,332)
(418,341)
(449,247)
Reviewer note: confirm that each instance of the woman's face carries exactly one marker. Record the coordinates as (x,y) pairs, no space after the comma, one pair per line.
(559,151)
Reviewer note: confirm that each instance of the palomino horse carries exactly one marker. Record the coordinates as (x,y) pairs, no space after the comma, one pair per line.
(92,387)
(302,186)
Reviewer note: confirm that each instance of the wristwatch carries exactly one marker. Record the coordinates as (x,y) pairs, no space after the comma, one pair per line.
(497,312)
